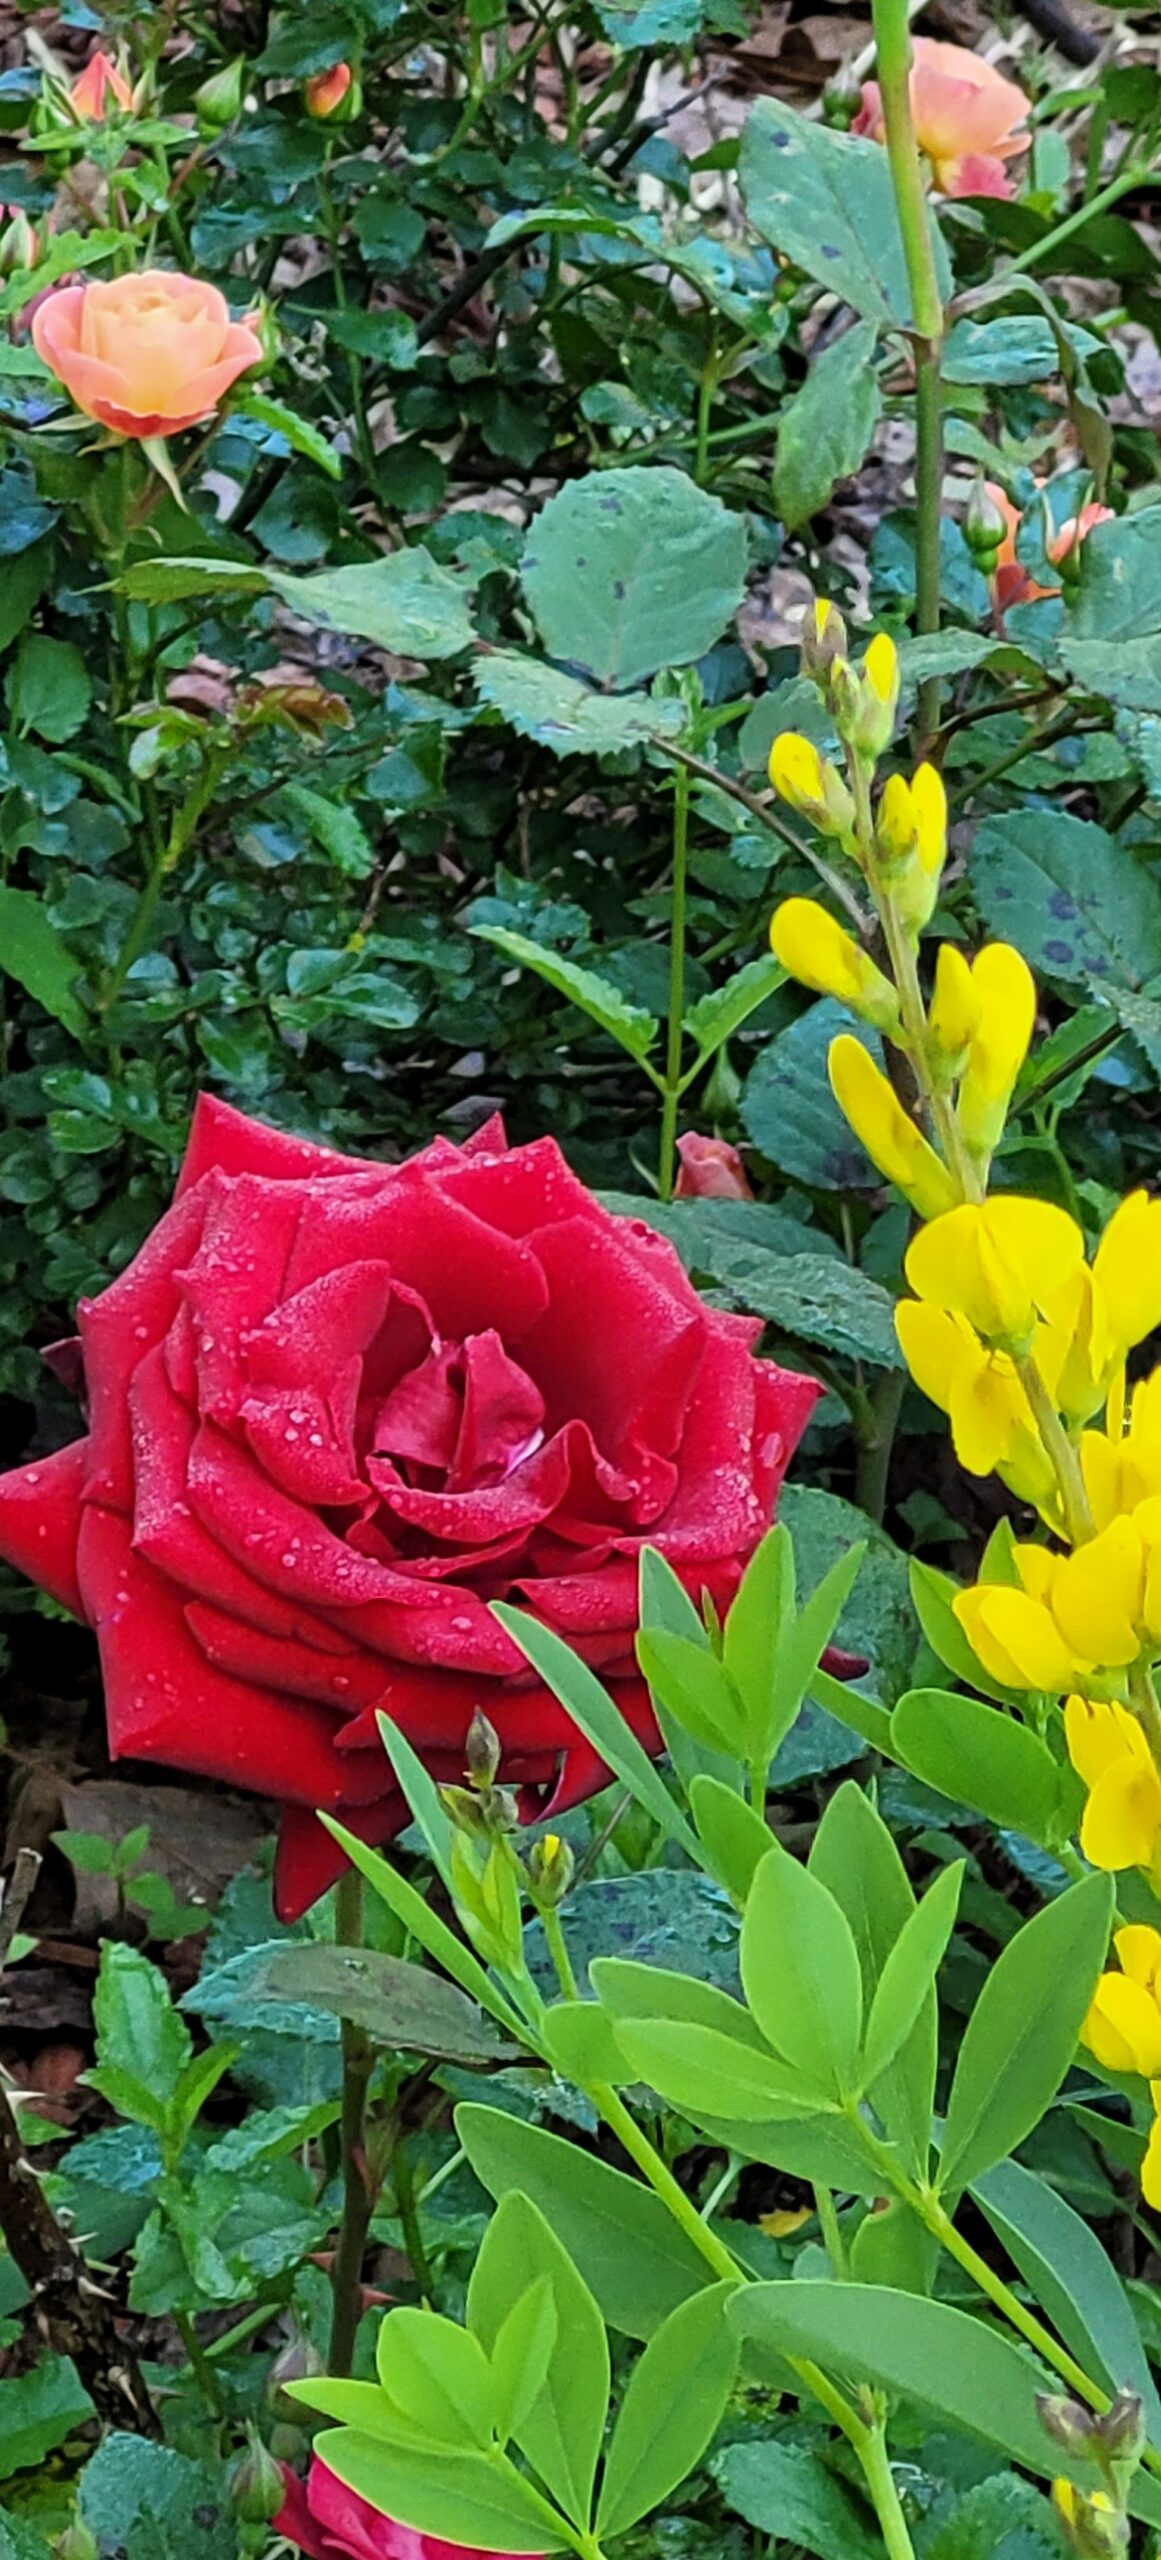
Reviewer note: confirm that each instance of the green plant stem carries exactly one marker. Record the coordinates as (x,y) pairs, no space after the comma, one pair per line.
(828,2223)
(876,1419)
(166,858)
(706,389)
(880,2480)
(358,2063)
(195,2356)
(893,65)
(555,1941)
(768,817)
(676,1013)
(940,2224)
(1121,185)
(1058,1447)
(407,2208)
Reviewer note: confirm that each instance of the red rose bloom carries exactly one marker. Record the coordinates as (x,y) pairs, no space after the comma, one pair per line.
(329,2522)
(336,1408)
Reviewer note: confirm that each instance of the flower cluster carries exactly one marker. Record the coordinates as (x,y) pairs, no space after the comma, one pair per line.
(1018,1326)
(1123,2030)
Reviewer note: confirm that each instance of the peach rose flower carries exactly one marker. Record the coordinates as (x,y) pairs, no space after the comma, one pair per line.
(101,85)
(965,117)
(144,354)
(325,91)
(1011,582)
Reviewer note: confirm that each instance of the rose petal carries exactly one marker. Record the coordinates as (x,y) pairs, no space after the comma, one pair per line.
(40,1512)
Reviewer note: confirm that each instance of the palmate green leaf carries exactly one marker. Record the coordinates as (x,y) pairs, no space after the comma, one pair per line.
(676,2398)
(580,2041)
(909,1973)
(800,1972)
(32,952)
(734,1838)
(421,1792)
(643,1991)
(665,1605)
(825,429)
(966,2373)
(522,2349)
(1022,2034)
(628,1024)
(631,570)
(438,2375)
(561,2433)
(825,201)
(619,2235)
(855,1855)
(1072,2278)
(760,1617)
(713,2077)
(590,1706)
(981,1757)
(696,1687)
(567,716)
(805,1638)
(472,2498)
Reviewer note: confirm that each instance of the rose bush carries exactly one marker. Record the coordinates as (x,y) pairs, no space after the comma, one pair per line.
(144,354)
(328,2522)
(335,1409)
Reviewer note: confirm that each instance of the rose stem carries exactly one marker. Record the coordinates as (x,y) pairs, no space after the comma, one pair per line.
(358,2202)
(893,64)
(671,1090)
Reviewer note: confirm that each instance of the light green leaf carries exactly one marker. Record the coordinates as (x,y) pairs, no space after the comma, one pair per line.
(438,2375)
(696,1687)
(734,1838)
(522,2350)
(620,2236)
(470,2498)
(404,602)
(676,2398)
(627,571)
(716,1016)
(909,1972)
(297,432)
(590,1706)
(1022,2034)
(709,2075)
(825,201)
(138,2029)
(855,1855)
(981,1757)
(1072,2278)
(562,2432)
(800,1973)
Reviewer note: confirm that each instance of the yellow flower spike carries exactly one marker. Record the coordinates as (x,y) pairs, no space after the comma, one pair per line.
(1123,2026)
(864,699)
(916,890)
(997,1263)
(816,951)
(1007,996)
(1098,1596)
(991,1421)
(891,1139)
(1017,1638)
(1121,1826)
(954,1012)
(809,783)
(1127,1270)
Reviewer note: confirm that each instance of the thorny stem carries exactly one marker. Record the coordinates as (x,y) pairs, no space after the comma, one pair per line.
(358,2063)
(893,63)
(676,1014)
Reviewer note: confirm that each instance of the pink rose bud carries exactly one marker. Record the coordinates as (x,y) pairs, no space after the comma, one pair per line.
(144,354)
(100,88)
(332,96)
(968,120)
(710,1169)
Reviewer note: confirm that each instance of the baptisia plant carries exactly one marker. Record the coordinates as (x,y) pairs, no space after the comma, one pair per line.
(1019,1326)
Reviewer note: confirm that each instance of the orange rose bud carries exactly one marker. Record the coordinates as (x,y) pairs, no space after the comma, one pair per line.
(1012,582)
(144,354)
(966,118)
(328,93)
(100,87)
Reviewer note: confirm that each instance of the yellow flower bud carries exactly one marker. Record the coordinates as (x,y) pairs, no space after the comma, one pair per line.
(955,1011)
(997,1263)
(891,1139)
(824,638)
(811,784)
(929,803)
(1094,2528)
(864,699)
(1007,996)
(816,951)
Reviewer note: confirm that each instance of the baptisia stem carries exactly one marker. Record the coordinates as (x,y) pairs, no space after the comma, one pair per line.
(893,66)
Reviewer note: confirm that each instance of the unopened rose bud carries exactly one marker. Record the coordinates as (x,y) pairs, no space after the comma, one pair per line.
(551,1866)
(482,1751)
(19,247)
(257,2489)
(1067,2421)
(219,99)
(101,90)
(334,96)
(76,2543)
(984,527)
(709,1169)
